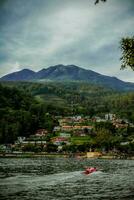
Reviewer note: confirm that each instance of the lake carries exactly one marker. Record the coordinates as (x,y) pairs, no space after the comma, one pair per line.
(46,178)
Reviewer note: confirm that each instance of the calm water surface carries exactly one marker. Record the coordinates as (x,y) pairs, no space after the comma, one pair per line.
(62,179)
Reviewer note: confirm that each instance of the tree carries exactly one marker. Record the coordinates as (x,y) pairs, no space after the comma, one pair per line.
(97,1)
(51,147)
(104,139)
(127,47)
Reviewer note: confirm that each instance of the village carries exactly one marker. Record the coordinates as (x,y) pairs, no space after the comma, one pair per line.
(74,134)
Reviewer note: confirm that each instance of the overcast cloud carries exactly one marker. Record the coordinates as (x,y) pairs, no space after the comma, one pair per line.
(36,34)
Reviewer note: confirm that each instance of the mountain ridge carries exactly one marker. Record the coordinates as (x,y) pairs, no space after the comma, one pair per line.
(68,73)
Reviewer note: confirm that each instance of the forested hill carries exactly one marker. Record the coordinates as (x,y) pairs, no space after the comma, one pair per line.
(21,114)
(70,98)
(69,73)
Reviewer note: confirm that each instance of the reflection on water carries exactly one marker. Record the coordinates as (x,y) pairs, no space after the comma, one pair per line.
(62,178)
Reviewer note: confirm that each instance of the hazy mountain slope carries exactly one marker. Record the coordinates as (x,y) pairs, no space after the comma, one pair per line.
(22,75)
(69,73)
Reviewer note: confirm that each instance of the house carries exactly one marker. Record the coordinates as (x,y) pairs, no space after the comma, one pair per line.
(41,132)
(110,116)
(66,135)
(33,142)
(79,133)
(77,118)
(78,127)
(67,128)
(65,121)
(57,128)
(124,143)
(60,148)
(98,119)
(59,140)
(120,124)
(20,140)
(94,154)
(75,127)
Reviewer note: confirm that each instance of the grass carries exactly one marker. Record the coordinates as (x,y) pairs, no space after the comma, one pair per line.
(51,99)
(78,140)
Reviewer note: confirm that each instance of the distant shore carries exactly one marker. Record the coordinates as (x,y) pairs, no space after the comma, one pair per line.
(66,155)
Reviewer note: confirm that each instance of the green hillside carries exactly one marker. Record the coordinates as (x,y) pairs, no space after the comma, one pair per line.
(70,98)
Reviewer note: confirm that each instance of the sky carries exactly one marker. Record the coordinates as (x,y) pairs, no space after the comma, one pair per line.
(36,34)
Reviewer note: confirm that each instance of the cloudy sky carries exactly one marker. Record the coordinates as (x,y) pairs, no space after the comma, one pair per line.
(36,34)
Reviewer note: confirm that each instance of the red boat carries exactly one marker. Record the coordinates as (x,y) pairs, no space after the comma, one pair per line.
(90,170)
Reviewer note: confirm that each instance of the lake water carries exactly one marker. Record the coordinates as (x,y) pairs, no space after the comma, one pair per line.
(62,178)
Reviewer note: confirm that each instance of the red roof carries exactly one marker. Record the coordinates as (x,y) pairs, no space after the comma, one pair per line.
(59,139)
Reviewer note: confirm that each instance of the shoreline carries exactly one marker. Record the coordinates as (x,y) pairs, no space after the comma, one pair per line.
(65,155)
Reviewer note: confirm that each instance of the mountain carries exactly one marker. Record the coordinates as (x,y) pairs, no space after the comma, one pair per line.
(69,73)
(23,75)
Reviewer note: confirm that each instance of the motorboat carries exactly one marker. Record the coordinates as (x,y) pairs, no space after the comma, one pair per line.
(90,170)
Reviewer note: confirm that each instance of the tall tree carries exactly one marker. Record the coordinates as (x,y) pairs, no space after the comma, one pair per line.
(127,48)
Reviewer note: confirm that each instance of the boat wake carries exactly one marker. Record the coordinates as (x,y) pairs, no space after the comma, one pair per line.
(45,182)
(54,179)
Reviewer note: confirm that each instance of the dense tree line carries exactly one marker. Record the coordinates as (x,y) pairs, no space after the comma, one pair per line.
(81,98)
(21,114)
(70,98)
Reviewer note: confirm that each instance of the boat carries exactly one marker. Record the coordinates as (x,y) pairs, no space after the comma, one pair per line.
(90,170)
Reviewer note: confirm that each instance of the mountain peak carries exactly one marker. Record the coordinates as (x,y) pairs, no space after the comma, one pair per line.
(22,75)
(27,70)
